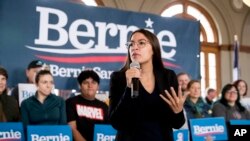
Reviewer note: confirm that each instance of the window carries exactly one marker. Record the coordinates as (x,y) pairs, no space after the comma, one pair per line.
(208,37)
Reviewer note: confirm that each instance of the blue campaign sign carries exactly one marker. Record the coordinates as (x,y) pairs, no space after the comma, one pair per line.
(71,37)
(239,122)
(49,132)
(214,128)
(181,135)
(11,131)
(104,132)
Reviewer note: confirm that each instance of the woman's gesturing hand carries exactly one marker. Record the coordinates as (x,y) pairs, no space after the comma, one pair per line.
(175,101)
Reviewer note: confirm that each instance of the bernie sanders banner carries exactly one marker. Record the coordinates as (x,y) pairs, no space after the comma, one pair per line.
(71,37)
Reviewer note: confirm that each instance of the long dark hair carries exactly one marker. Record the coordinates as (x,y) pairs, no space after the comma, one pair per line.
(157,60)
(223,100)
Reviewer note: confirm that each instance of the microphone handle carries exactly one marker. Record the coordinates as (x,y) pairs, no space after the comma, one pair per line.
(135,88)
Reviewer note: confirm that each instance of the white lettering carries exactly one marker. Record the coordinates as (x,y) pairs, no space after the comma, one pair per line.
(90,112)
(10,134)
(74,33)
(74,72)
(240,132)
(60,137)
(82,34)
(102,137)
(208,129)
(170,43)
(45,26)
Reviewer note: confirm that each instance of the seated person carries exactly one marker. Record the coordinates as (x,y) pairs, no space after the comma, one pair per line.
(242,87)
(44,108)
(9,109)
(229,106)
(84,110)
(194,105)
(211,95)
(33,67)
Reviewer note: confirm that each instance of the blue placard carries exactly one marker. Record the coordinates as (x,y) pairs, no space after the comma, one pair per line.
(181,135)
(49,133)
(208,127)
(11,131)
(240,122)
(104,132)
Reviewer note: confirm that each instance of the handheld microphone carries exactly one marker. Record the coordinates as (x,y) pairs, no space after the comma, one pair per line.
(135,81)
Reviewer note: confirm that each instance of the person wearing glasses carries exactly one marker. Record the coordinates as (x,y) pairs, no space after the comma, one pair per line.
(158,108)
(229,106)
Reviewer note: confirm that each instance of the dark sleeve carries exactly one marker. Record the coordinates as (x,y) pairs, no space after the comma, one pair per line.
(71,110)
(122,108)
(219,110)
(105,108)
(173,80)
(12,111)
(15,94)
(25,112)
(63,119)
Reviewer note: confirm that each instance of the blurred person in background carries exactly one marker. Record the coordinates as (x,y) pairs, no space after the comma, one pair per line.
(243,88)
(194,105)
(229,106)
(183,80)
(33,67)
(211,95)
(9,109)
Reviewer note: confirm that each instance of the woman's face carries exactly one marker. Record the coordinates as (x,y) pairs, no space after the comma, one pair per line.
(195,90)
(3,82)
(45,84)
(242,88)
(231,95)
(140,48)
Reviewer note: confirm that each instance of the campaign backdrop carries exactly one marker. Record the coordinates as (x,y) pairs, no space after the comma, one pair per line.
(72,37)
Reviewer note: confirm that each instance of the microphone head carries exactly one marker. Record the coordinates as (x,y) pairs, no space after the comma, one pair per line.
(135,64)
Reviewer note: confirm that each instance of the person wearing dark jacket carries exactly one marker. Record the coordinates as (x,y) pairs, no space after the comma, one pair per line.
(158,108)
(9,110)
(44,108)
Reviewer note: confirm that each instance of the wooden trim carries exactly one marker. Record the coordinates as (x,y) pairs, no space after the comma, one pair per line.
(99,2)
(243,48)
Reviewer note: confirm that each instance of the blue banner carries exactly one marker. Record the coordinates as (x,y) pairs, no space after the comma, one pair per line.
(71,37)
(181,135)
(213,128)
(11,131)
(104,132)
(49,132)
